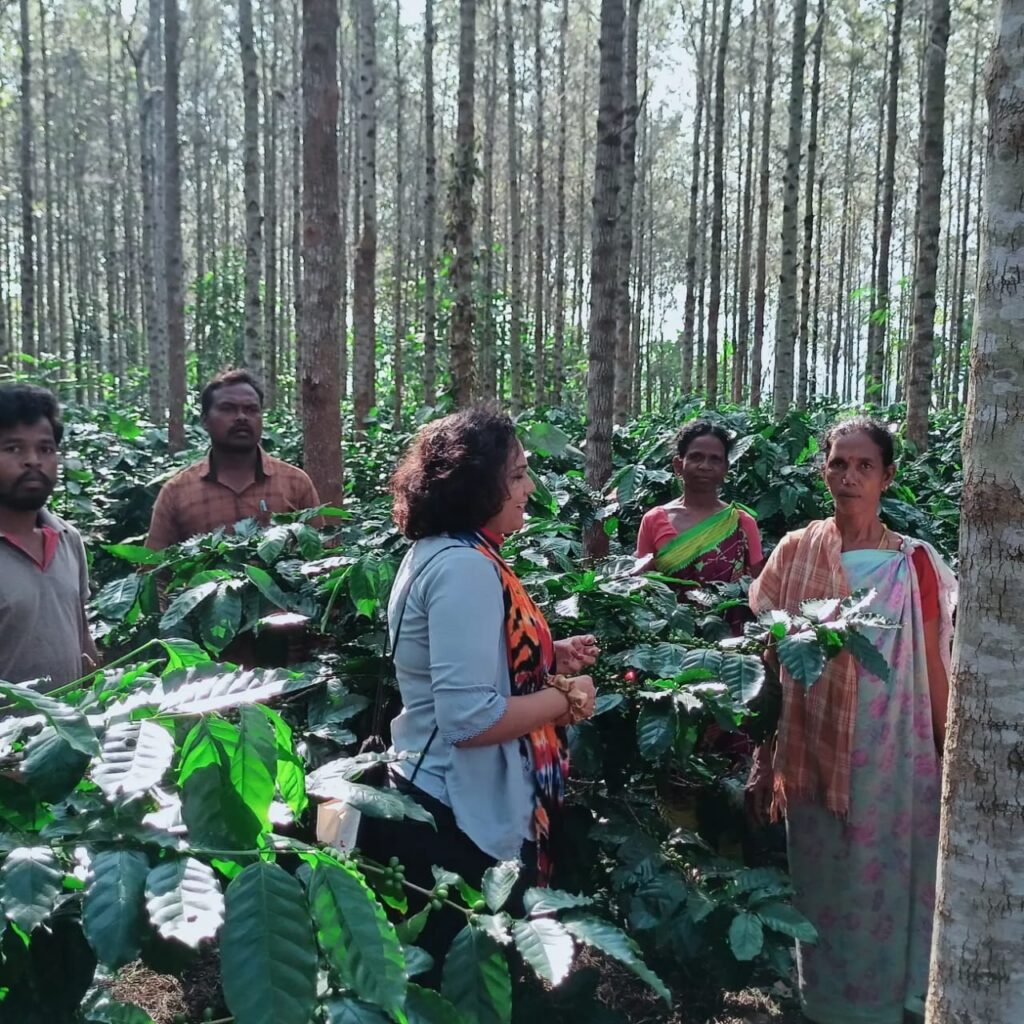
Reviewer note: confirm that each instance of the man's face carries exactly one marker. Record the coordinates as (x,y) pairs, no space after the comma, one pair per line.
(28,465)
(235,419)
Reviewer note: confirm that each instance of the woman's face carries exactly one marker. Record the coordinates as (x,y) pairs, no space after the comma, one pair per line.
(855,472)
(704,465)
(518,486)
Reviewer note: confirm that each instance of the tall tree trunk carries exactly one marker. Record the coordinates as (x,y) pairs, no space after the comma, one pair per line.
(271,108)
(321,241)
(763,175)
(398,257)
(879,319)
(488,364)
(746,246)
(365,276)
(842,300)
(627,184)
(690,302)
(817,43)
(929,220)
(560,214)
(603,264)
(975,969)
(717,205)
(297,227)
(172,210)
(49,195)
(461,337)
(28,267)
(111,363)
(538,208)
(786,325)
(253,345)
(429,212)
(958,315)
(515,241)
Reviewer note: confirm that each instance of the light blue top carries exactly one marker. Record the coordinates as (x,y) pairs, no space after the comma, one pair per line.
(452,670)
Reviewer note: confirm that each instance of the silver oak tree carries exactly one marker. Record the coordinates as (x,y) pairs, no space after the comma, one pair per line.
(976,976)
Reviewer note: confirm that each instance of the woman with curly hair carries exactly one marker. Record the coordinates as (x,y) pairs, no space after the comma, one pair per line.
(856,768)
(486,692)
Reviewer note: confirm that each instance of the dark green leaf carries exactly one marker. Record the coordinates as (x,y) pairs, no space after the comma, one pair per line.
(253,764)
(356,936)
(118,597)
(222,617)
(547,901)
(603,935)
(135,553)
(272,544)
(31,880)
(184,604)
(425,1006)
(266,585)
(112,914)
(52,767)
(363,586)
(746,936)
(184,901)
(868,656)
(498,883)
(785,918)
(476,979)
(656,729)
(744,675)
(346,1010)
(802,658)
(267,950)
(71,725)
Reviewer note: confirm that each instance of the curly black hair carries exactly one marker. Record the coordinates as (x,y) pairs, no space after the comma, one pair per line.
(26,405)
(453,477)
(226,379)
(698,428)
(875,428)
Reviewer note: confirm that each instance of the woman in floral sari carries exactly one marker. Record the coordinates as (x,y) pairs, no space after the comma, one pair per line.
(698,537)
(857,762)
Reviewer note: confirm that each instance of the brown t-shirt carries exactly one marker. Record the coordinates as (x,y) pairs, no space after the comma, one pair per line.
(195,501)
(43,629)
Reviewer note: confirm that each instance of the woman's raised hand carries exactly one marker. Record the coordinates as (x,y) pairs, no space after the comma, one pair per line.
(575,653)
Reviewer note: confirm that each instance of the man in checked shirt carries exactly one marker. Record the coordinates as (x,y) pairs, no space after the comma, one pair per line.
(237,479)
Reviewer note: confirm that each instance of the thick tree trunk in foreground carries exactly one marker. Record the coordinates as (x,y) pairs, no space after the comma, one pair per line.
(172,212)
(603,263)
(979,929)
(321,243)
(929,220)
(461,336)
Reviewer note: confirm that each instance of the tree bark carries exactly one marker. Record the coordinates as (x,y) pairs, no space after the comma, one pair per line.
(538,209)
(603,263)
(365,274)
(49,194)
(321,241)
(761,272)
(929,220)
(515,240)
(28,267)
(461,336)
(817,43)
(429,212)
(975,970)
(253,344)
(397,254)
(558,328)
(172,209)
(879,319)
(786,325)
(717,205)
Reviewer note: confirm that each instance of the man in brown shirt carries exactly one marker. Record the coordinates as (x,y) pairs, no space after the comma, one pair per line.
(44,576)
(237,479)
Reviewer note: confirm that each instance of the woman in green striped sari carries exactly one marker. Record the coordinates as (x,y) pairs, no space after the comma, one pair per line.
(699,538)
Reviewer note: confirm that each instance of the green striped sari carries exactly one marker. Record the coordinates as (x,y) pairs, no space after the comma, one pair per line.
(707,535)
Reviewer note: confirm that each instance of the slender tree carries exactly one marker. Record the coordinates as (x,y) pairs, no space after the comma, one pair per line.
(253,345)
(321,240)
(603,263)
(929,220)
(763,177)
(515,239)
(539,211)
(786,326)
(172,241)
(717,206)
(365,276)
(397,252)
(975,968)
(558,329)
(461,337)
(28,267)
(429,211)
